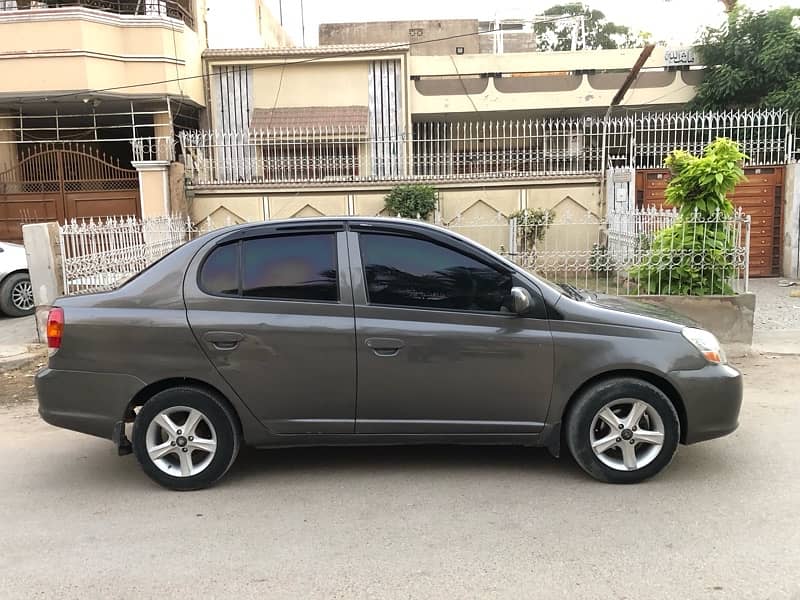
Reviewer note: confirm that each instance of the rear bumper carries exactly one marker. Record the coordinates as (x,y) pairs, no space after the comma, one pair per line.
(82,401)
(712,397)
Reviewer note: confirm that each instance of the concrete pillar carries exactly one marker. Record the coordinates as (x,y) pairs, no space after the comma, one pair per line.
(177,189)
(162,128)
(790,266)
(154,187)
(43,250)
(8,151)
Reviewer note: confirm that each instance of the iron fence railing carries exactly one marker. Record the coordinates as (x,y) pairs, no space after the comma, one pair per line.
(177,9)
(442,151)
(586,251)
(615,255)
(153,149)
(101,254)
(619,254)
(763,135)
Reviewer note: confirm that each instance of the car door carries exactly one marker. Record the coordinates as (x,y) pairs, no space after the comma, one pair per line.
(437,350)
(272,308)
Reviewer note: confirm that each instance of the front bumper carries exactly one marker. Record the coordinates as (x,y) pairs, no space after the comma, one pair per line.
(84,401)
(712,397)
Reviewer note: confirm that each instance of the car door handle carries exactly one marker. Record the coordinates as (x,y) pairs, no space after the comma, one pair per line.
(385,346)
(223,340)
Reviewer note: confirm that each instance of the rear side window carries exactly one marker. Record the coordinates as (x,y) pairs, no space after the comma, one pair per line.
(220,273)
(410,272)
(295,267)
(287,267)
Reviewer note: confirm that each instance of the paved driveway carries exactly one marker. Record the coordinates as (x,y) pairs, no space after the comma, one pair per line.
(17,332)
(722,522)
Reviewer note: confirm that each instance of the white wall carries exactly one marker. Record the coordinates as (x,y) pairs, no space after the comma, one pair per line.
(241,24)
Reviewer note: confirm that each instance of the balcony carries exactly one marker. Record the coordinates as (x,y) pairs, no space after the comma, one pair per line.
(176,9)
(70,47)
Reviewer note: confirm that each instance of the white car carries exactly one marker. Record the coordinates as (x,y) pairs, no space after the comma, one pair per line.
(16,291)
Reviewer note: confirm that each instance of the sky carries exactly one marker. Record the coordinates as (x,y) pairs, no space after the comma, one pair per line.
(677,22)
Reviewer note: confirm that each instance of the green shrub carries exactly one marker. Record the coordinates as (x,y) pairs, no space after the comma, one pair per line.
(532,224)
(695,256)
(411,201)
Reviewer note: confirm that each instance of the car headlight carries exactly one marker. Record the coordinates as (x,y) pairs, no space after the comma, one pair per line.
(706,343)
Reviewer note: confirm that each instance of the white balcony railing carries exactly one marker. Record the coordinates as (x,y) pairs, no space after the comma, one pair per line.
(176,9)
(153,149)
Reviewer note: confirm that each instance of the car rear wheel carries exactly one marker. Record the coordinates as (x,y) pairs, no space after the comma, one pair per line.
(623,430)
(16,296)
(185,438)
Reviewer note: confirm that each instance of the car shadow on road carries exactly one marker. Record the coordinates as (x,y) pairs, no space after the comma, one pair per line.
(95,465)
(691,464)
(388,460)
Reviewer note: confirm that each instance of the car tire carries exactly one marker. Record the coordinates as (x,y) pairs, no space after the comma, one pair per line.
(622,430)
(16,296)
(186,424)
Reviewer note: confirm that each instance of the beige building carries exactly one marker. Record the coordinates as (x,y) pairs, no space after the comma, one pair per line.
(329,130)
(91,92)
(278,131)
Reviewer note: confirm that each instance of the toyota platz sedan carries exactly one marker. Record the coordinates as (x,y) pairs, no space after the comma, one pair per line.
(346,331)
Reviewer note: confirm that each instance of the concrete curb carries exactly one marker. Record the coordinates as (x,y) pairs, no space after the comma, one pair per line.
(16,357)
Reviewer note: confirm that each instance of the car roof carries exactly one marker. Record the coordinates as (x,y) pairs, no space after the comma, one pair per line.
(299,223)
(342,219)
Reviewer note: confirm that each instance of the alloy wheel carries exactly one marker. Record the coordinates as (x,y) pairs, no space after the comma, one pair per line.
(22,295)
(627,434)
(181,441)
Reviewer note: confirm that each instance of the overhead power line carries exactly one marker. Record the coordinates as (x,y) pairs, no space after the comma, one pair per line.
(312,59)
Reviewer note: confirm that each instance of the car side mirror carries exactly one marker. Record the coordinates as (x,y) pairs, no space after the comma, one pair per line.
(520,300)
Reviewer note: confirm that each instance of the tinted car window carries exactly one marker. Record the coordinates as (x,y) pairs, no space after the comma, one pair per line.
(220,273)
(402,271)
(297,267)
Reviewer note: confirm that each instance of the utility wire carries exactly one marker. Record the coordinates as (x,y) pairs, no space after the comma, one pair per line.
(277,95)
(463,85)
(313,59)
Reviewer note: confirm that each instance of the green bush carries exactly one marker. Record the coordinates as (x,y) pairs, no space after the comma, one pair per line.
(695,256)
(532,224)
(411,201)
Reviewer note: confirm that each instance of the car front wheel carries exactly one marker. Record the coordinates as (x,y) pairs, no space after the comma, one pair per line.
(185,438)
(623,430)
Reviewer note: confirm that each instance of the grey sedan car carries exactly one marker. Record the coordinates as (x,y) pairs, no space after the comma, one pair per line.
(373,331)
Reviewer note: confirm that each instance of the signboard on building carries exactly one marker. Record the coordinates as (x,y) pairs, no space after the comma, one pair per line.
(680,57)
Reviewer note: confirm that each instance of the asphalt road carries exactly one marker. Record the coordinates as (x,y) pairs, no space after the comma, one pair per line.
(723,522)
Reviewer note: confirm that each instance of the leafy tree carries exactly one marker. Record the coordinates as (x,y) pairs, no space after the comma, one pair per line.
(600,33)
(411,201)
(695,256)
(753,60)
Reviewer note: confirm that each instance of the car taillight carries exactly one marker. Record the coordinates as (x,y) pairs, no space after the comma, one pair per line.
(55,327)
